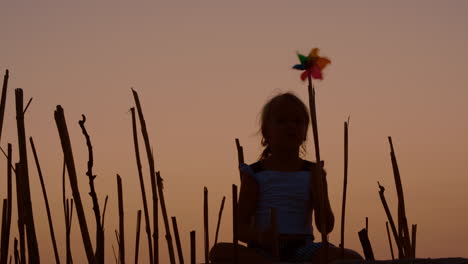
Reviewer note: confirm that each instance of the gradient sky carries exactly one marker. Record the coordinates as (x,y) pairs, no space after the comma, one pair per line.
(203,70)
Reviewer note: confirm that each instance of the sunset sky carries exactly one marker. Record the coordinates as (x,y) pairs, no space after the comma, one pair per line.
(204,69)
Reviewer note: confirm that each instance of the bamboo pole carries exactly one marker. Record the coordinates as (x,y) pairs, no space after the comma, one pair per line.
(33,249)
(70,163)
(193,252)
(205,224)
(6,236)
(235,223)
(152,173)
(20,210)
(99,253)
(3,100)
(142,186)
(318,169)
(170,246)
(390,220)
(402,221)
(121,221)
(220,214)
(345,184)
(177,239)
(390,241)
(46,200)
(137,239)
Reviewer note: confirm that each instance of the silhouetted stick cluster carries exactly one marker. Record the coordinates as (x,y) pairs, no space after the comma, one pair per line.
(25,246)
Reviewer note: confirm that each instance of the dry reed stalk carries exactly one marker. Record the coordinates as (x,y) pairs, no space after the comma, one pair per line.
(205,224)
(193,253)
(6,232)
(69,217)
(115,256)
(99,253)
(149,154)
(367,224)
(402,221)
(220,214)
(3,100)
(70,163)
(177,239)
(20,210)
(413,239)
(345,184)
(235,222)
(33,249)
(137,239)
(142,186)
(390,241)
(318,169)
(366,245)
(121,220)
(390,220)
(46,200)
(170,246)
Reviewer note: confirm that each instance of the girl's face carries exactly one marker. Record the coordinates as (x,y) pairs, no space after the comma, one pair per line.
(286,128)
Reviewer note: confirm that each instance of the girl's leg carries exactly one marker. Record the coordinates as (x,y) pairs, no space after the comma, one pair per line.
(223,253)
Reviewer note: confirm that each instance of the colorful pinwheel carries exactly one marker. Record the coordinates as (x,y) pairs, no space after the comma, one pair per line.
(312,65)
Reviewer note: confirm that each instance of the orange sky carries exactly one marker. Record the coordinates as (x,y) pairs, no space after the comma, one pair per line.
(203,71)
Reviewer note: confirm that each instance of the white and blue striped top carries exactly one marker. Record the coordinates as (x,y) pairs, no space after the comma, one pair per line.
(288,192)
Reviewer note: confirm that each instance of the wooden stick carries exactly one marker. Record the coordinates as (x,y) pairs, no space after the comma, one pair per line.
(33,249)
(240,154)
(413,239)
(389,240)
(4,227)
(70,163)
(390,220)
(121,221)
(177,239)
(205,224)
(235,223)
(17,260)
(367,224)
(99,255)
(68,216)
(274,224)
(137,239)
(149,154)
(220,214)
(318,169)
(402,222)
(366,245)
(3,100)
(193,255)
(6,236)
(46,200)
(142,187)
(20,210)
(345,184)
(170,246)
(115,256)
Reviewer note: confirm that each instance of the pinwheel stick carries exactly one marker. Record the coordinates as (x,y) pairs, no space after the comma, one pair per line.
(313,115)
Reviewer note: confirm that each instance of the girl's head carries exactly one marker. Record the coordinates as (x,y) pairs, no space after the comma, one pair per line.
(284,123)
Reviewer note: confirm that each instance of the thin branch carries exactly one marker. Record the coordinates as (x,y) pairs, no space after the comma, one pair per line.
(137,239)
(27,106)
(220,214)
(165,218)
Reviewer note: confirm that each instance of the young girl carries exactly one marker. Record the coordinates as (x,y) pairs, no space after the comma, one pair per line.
(280,179)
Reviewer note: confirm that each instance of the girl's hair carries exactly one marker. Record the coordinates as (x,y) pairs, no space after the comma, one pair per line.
(274,105)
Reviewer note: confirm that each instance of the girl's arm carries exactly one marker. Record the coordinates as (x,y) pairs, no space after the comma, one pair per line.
(317,197)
